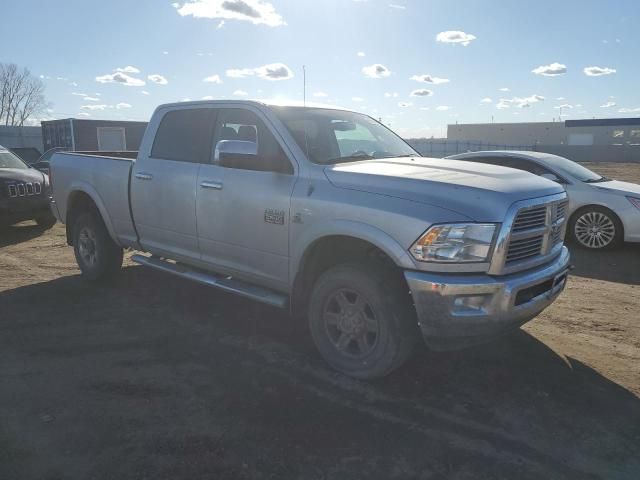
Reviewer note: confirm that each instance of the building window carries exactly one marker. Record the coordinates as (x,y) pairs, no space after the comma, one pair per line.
(618,134)
(634,134)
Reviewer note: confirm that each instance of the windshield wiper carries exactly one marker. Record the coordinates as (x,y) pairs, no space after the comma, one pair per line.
(597,180)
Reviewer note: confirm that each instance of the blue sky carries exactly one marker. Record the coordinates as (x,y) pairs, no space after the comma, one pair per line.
(368,55)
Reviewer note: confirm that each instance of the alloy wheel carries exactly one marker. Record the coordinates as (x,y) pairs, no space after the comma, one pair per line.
(595,230)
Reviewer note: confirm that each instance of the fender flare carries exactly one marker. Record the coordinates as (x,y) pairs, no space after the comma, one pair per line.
(348,228)
(87,189)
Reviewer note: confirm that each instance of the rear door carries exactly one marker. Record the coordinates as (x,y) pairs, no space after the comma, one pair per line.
(243,208)
(164,179)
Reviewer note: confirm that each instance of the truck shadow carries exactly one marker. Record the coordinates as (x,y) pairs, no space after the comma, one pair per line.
(511,409)
(621,265)
(12,235)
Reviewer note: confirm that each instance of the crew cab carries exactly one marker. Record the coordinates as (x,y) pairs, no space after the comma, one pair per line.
(329,214)
(24,192)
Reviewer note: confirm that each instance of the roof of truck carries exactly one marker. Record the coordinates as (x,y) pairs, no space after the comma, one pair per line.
(268,102)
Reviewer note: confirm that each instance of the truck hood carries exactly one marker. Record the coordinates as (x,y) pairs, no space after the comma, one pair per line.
(617,186)
(478,191)
(21,174)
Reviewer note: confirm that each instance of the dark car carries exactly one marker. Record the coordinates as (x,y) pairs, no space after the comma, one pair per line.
(24,192)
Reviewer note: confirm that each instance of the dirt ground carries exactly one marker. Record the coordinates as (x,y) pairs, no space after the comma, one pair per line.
(153,377)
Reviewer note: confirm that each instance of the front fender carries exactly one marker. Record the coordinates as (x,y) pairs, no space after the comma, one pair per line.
(361,231)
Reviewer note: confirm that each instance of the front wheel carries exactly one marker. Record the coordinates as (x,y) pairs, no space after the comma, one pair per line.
(46,221)
(361,320)
(596,228)
(97,254)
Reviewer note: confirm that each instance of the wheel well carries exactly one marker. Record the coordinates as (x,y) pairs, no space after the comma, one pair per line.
(594,205)
(78,203)
(334,250)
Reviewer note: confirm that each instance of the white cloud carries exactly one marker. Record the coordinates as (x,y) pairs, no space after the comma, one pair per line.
(83,114)
(551,70)
(320,94)
(564,106)
(78,94)
(391,94)
(443,108)
(123,105)
(94,107)
(455,36)
(144,92)
(91,99)
(207,97)
(404,104)
(121,78)
(504,89)
(376,70)
(522,102)
(560,99)
(486,100)
(608,105)
(629,110)
(159,79)
(258,12)
(598,71)
(357,99)
(128,69)
(220,24)
(396,6)
(361,54)
(421,92)
(271,71)
(429,79)
(240,93)
(274,71)
(212,79)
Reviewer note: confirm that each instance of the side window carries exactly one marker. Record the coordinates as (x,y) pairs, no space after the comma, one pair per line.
(244,142)
(184,135)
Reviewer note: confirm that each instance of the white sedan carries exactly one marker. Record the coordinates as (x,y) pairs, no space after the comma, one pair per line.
(602,212)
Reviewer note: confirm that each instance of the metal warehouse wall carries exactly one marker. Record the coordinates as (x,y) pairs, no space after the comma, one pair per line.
(86,133)
(21,137)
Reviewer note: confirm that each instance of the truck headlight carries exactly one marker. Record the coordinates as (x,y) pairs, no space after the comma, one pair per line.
(455,243)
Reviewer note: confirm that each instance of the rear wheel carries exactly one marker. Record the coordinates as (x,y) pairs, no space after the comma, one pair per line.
(596,228)
(97,254)
(361,321)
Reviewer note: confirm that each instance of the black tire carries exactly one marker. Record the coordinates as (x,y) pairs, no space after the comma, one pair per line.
(90,236)
(365,355)
(46,221)
(608,233)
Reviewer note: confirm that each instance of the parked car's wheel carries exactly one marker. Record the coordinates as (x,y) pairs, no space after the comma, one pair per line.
(46,221)
(362,323)
(97,254)
(596,228)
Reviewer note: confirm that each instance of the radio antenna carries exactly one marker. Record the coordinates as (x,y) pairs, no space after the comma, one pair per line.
(304,86)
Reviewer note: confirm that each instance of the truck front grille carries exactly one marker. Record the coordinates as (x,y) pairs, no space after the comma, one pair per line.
(536,231)
(24,189)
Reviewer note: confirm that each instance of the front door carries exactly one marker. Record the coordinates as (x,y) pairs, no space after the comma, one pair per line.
(164,179)
(243,206)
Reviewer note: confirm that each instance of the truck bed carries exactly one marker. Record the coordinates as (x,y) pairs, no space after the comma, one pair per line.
(106,179)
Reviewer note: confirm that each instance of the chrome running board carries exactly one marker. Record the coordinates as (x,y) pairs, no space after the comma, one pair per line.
(228,284)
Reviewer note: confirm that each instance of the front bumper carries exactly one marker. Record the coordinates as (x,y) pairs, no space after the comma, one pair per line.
(455,311)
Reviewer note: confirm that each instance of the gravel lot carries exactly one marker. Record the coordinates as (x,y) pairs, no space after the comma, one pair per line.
(155,377)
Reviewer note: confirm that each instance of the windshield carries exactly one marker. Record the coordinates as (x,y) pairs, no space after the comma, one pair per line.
(573,169)
(335,136)
(9,160)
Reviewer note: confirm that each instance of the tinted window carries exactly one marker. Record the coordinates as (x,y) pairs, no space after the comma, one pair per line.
(184,135)
(244,125)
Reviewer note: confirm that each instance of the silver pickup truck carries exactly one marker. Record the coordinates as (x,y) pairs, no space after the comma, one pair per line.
(329,214)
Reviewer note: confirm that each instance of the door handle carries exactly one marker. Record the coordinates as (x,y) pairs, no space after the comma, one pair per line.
(144,176)
(211,184)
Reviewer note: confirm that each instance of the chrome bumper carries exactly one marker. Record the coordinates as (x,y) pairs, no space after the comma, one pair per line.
(455,311)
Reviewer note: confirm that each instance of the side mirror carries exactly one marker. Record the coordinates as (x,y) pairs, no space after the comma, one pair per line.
(236,154)
(551,176)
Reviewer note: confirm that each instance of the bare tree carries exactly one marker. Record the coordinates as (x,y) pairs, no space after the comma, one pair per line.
(21,95)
